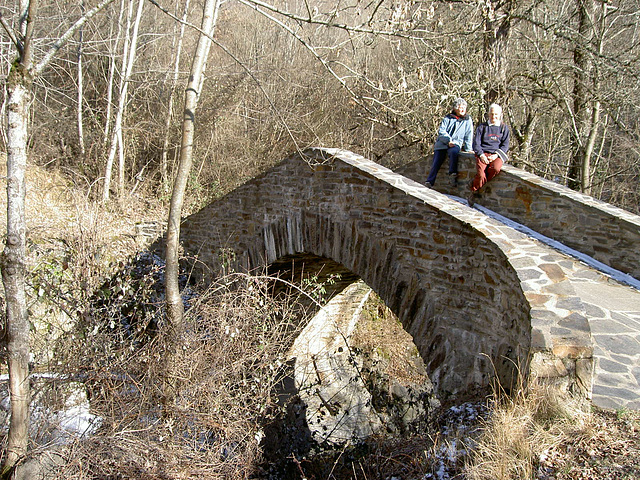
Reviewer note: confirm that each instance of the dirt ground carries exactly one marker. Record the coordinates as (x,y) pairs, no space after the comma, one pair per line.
(610,451)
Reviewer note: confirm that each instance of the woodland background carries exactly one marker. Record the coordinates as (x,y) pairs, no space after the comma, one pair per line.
(372,77)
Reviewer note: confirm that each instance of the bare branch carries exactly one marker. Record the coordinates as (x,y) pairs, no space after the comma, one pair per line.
(10,33)
(342,26)
(375,10)
(32,12)
(355,97)
(236,60)
(67,35)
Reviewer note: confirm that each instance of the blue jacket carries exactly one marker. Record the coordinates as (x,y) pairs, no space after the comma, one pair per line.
(458,130)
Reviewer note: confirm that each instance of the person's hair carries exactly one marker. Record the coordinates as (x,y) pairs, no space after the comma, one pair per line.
(495,106)
(459,101)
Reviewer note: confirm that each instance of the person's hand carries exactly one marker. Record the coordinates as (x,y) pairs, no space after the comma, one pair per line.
(485,159)
(451,144)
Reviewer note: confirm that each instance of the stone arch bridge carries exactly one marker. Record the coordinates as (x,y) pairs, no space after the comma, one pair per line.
(479,297)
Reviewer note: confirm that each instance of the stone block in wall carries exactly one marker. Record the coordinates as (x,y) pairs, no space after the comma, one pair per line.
(574,376)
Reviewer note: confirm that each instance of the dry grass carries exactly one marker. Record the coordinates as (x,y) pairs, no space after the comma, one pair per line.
(224,375)
(73,246)
(540,434)
(380,333)
(97,317)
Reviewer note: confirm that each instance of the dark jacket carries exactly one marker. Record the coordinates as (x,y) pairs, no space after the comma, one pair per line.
(490,138)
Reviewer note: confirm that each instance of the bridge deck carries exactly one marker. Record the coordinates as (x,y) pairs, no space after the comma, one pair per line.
(612,301)
(614,318)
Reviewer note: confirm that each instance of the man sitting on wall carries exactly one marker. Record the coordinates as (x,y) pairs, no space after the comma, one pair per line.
(491,143)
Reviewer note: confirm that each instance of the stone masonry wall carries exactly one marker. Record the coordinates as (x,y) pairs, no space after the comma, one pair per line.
(606,233)
(474,294)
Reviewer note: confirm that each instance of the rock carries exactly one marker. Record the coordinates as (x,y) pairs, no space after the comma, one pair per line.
(42,466)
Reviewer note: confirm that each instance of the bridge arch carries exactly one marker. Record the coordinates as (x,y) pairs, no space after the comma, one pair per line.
(445,270)
(465,335)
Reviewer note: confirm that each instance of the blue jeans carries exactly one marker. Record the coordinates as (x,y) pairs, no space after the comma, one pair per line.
(438,160)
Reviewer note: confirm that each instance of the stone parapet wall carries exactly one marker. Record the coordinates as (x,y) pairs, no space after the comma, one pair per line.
(479,298)
(606,233)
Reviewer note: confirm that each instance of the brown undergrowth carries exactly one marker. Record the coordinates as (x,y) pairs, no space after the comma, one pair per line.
(546,434)
(229,367)
(224,377)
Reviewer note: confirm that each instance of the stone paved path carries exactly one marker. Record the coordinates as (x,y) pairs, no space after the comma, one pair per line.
(614,316)
(613,311)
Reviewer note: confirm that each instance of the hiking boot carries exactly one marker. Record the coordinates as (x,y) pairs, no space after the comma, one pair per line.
(471,198)
(453,179)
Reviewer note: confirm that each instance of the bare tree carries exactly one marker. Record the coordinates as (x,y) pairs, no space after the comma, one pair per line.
(175,308)
(117,143)
(19,92)
(172,89)
(572,68)
(80,90)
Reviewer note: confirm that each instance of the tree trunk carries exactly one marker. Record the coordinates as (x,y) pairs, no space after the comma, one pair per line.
(174,82)
(117,124)
(13,263)
(594,122)
(175,308)
(128,59)
(112,69)
(585,178)
(582,70)
(80,94)
(496,41)
(527,138)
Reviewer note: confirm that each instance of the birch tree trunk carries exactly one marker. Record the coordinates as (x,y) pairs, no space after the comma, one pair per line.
(13,259)
(174,83)
(112,72)
(117,146)
(113,145)
(12,262)
(175,308)
(80,93)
